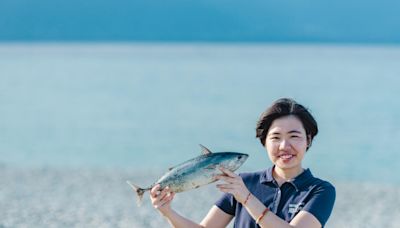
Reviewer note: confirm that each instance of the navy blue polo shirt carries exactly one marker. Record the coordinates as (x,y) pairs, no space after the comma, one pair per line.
(305,192)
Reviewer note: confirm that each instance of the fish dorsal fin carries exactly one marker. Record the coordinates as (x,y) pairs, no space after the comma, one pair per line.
(205,150)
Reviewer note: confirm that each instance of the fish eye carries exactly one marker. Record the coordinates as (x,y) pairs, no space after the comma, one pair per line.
(240,156)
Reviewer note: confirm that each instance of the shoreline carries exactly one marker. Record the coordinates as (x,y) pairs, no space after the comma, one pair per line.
(95,197)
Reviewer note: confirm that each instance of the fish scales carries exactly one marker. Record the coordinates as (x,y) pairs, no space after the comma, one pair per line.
(191,174)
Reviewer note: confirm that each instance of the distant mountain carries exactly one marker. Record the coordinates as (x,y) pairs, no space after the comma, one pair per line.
(202,20)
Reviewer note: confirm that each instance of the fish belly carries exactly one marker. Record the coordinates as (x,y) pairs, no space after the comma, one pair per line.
(187,182)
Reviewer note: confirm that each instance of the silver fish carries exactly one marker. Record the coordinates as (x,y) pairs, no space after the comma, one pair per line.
(195,172)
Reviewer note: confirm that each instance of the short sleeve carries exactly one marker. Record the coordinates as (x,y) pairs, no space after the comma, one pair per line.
(321,203)
(227,203)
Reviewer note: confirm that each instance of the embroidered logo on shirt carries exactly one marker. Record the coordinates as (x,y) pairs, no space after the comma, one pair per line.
(294,208)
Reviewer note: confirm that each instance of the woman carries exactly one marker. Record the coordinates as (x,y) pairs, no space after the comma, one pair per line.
(285,195)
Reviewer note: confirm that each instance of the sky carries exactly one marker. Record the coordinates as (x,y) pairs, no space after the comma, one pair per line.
(339,21)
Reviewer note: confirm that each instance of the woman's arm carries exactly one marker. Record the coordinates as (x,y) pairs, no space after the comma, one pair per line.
(161,200)
(235,186)
(216,218)
(303,219)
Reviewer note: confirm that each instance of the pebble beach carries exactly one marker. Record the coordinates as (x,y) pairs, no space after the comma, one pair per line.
(55,197)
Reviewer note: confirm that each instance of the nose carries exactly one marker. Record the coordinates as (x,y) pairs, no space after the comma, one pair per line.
(284,144)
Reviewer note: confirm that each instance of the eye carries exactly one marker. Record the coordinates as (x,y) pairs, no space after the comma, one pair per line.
(240,156)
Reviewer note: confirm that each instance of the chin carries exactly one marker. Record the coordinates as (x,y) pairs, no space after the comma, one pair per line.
(282,165)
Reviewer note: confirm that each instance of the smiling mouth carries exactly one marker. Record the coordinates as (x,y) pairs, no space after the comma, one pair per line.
(286,156)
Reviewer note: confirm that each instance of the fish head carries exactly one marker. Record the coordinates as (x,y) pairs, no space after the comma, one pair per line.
(232,160)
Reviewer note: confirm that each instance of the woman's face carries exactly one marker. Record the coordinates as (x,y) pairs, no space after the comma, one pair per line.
(286,142)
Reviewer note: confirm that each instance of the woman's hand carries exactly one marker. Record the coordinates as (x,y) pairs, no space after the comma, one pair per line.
(233,185)
(161,199)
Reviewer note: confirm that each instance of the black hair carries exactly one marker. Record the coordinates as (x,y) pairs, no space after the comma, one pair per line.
(286,107)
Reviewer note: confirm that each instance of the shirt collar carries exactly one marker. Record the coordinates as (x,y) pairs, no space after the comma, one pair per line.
(298,182)
(267,177)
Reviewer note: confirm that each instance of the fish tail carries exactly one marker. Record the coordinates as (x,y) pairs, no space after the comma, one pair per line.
(139,191)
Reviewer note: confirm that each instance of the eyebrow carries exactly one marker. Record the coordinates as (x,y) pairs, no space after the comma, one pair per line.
(290,132)
(294,131)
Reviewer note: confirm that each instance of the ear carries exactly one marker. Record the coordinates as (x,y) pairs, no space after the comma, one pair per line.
(309,141)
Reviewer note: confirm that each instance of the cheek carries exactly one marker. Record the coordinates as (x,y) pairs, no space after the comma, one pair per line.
(300,147)
(268,145)
(301,144)
(271,148)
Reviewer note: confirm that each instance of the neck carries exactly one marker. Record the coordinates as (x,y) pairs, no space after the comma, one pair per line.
(284,175)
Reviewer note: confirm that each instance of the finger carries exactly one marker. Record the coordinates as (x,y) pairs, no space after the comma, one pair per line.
(230,186)
(159,204)
(160,201)
(165,190)
(155,190)
(156,195)
(225,187)
(168,197)
(163,193)
(228,179)
(162,204)
(227,172)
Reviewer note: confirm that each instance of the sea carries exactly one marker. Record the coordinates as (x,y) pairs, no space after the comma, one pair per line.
(148,106)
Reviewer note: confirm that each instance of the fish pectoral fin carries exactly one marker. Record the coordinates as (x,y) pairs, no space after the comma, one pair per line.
(211,167)
(205,150)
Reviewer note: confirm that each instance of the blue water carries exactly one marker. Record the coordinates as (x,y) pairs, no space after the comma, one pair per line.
(148,106)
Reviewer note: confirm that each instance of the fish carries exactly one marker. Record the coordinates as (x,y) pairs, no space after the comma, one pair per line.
(196,172)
